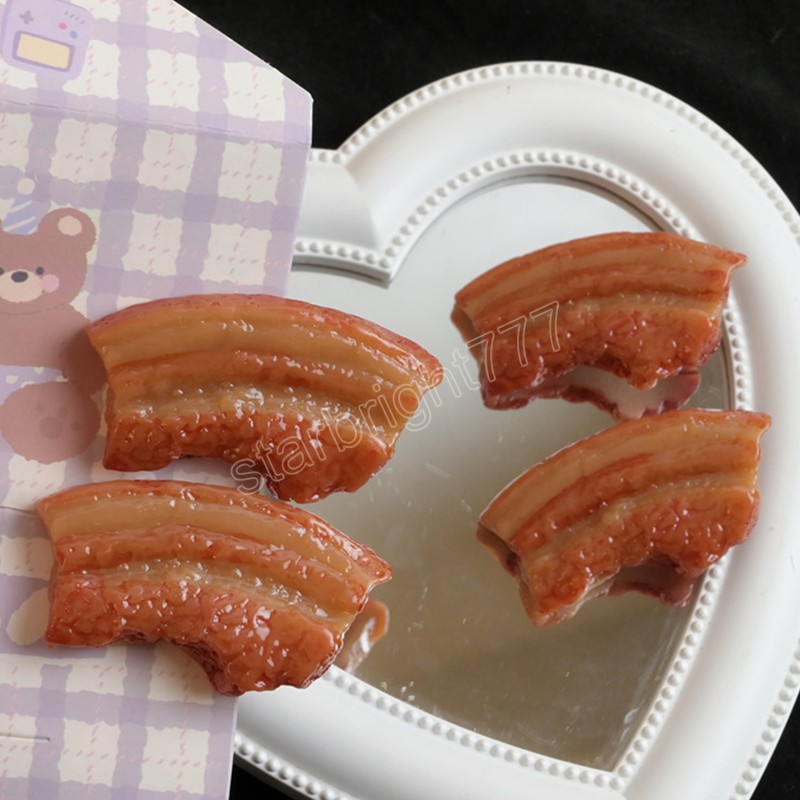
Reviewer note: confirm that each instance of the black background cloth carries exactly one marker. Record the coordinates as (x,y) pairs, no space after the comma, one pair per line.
(738,63)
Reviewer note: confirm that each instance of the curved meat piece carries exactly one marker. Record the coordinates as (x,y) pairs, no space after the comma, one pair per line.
(648,504)
(259,592)
(642,306)
(311,398)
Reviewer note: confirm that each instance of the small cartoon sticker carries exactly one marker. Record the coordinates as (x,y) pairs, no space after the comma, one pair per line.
(49,37)
(40,274)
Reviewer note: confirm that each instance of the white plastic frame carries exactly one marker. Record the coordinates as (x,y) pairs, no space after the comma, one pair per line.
(720,709)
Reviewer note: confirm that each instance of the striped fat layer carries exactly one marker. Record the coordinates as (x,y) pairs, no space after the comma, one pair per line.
(665,506)
(244,385)
(292,330)
(663,260)
(594,493)
(688,428)
(95,510)
(220,563)
(702,291)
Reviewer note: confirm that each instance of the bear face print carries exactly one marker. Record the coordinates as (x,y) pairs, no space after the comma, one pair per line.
(24,286)
(47,268)
(40,274)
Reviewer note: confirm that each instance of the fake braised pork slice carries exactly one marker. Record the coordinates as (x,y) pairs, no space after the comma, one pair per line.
(259,592)
(311,398)
(647,505)
(603,319)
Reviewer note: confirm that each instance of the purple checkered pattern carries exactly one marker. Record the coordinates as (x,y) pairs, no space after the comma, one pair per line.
(114,724)
(189,156)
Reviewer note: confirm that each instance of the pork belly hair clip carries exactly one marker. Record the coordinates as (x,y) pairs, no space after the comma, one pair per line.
(259,592)
(645,505)
(312,398)
(621,320)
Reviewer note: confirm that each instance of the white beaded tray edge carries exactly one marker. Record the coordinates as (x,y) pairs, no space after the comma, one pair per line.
(377,248)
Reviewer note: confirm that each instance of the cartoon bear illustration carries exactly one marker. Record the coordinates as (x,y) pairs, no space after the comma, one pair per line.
(40,274)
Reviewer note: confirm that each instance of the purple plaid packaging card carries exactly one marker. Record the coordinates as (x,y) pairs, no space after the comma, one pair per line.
(81,724)
(142,155)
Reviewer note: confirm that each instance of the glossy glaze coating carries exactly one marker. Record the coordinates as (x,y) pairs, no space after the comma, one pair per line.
(259,592)
(640,306)
(309,397)
(648,504)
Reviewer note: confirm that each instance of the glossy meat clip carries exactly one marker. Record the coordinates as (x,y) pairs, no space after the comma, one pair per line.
(622,320)
(311,398)
(646,505)
(259,592)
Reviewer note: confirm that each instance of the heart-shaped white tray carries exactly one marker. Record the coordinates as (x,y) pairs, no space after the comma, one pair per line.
(464,698)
